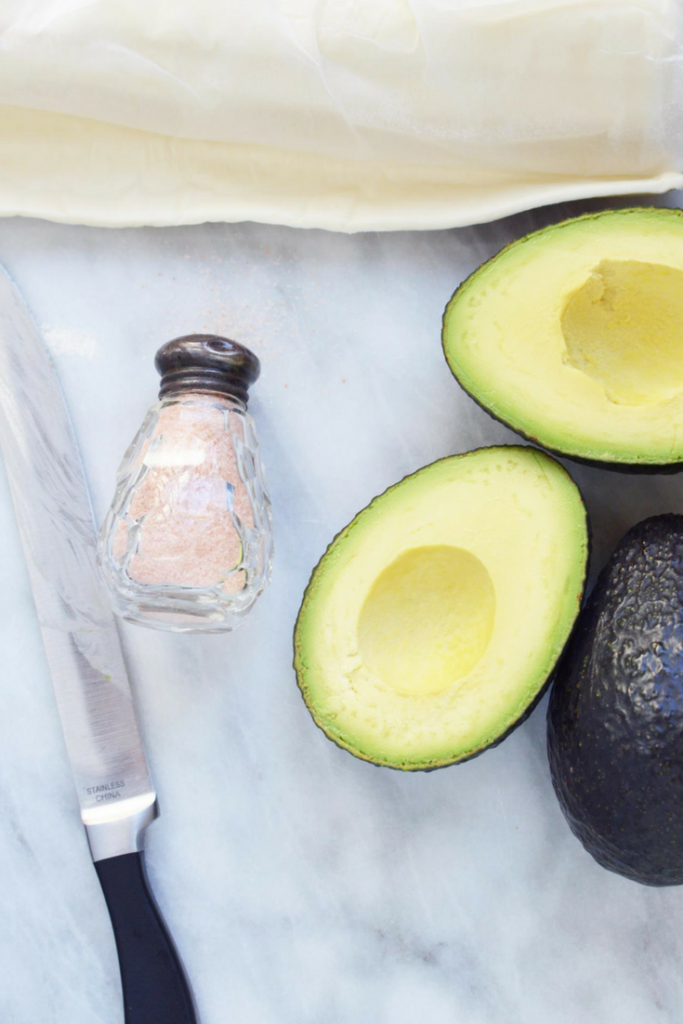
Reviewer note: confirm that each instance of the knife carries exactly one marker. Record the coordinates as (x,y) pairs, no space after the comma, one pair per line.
(83,648)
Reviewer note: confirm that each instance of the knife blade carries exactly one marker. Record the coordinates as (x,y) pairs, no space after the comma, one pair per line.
(117,799)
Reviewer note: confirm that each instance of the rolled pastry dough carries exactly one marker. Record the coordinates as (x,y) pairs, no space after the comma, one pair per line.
(341,114)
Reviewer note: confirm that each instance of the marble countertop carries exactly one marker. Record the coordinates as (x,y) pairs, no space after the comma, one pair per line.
(302,886)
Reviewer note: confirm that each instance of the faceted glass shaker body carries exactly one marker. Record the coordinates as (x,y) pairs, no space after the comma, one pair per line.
(187,543)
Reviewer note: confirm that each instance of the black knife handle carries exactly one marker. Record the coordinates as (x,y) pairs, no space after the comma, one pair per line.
(155,990)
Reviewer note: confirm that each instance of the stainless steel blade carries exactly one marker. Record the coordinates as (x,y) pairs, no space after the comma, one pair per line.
(83,649)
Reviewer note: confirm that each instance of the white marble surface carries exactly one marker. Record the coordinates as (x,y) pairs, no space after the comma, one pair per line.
(302,885)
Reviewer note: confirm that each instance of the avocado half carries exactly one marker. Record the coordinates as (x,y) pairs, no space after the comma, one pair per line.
(431,624)
(573,336)
(615,717)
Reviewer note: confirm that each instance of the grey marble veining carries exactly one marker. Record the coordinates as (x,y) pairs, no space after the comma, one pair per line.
(302,885)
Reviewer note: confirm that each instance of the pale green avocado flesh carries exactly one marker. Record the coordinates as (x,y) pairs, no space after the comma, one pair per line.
(432,622)
(573,336)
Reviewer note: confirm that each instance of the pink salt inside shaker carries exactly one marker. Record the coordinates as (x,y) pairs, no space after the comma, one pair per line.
(187,541)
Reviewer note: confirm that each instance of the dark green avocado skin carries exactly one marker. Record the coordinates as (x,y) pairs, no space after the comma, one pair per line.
(615,717)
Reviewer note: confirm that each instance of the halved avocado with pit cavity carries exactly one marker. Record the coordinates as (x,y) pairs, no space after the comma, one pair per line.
(573,336)
(431,624)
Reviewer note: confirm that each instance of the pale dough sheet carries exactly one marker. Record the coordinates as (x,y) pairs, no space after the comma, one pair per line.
(342,114)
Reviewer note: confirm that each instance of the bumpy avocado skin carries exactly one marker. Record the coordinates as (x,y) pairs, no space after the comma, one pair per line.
(615,718)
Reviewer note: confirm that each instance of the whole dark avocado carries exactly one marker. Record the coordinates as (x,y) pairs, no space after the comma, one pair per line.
(615,718)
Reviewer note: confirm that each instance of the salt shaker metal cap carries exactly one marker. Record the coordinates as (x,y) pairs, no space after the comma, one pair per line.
(186,544)
(206,363)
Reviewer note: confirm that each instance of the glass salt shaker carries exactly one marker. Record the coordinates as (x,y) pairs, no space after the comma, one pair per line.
(186,545)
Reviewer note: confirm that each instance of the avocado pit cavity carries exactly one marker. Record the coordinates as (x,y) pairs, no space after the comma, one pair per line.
(427,619)
(624,328)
